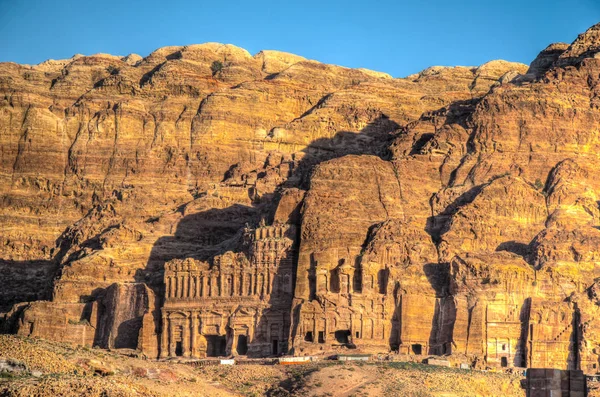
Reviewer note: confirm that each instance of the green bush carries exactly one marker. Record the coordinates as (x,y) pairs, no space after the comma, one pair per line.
(216,67)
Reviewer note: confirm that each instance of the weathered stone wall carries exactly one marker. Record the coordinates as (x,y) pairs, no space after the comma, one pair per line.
(454,211)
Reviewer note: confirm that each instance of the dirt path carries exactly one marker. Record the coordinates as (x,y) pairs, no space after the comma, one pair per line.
(354,389)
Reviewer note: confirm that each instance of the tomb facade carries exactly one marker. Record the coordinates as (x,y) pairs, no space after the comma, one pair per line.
(238,305)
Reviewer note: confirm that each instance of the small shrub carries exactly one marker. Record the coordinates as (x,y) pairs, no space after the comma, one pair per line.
(112,69)
(216,67)
(80,322)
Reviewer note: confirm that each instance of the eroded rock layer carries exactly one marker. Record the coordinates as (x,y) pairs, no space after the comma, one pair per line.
(202,201)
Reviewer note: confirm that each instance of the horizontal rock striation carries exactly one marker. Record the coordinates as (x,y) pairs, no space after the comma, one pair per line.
(202,201)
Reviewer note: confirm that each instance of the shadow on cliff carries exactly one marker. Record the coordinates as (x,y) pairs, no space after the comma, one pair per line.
(201,235)
(205,234)
(25,281)
(22,282)
(374,139)
(442,324)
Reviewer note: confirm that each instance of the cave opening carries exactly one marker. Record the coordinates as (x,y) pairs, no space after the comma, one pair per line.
(179,348)
(242,345)
(342,336)
(417,349)
(321,337)
(308,337)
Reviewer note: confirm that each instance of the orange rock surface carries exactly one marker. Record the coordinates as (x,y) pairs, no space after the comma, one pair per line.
(204,201)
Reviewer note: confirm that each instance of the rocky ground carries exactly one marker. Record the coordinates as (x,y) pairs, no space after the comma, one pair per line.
(35,367)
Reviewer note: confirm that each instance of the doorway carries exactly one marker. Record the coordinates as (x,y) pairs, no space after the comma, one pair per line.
(216,345)
(417,349)
(242,345)
(275,347)
(342,336)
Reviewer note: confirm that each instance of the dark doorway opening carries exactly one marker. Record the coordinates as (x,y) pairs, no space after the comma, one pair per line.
(382,279)
(179,348)
(275,348)
(446,349)
(395,337)
(321,337)
(357,281)
(417,349)
(216,345)
(504,361)
(242,345)
(342,336)
(334,281)
(308,337)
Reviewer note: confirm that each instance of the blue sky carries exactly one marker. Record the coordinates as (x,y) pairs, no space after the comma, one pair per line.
(398,37)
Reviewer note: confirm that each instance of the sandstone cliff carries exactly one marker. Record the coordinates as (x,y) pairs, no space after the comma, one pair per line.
(204,201)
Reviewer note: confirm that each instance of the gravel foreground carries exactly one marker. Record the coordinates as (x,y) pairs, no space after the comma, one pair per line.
(30,367)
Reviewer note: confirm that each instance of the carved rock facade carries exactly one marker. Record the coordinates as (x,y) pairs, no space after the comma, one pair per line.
(282,205)
(238,305)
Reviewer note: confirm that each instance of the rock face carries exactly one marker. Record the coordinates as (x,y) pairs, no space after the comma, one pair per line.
(202,201)
(218,309)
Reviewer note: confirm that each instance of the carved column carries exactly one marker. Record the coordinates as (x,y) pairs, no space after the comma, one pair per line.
(164,337)
(185,336)
(261,286)
(351,281)
(343,280)
(322,286)
(194,334)
(171,342)
(233,342)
